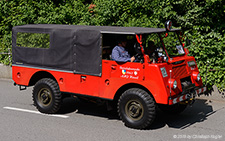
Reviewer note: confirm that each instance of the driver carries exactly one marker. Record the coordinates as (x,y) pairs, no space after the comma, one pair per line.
(120,54)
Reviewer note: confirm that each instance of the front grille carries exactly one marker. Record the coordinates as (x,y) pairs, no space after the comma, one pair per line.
(179,70)
(186,80)
(187,85)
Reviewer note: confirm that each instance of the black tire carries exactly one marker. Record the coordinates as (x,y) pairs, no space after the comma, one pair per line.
(47,96)
(172,109)
(136,108)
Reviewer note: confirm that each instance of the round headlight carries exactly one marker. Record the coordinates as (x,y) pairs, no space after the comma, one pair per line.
(172,83)
(198,77)
(175,84)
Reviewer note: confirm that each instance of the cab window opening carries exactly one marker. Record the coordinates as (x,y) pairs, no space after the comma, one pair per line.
(109,41)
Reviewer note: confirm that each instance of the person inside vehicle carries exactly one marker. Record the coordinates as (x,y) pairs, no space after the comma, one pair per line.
(151,51)
(106,53)
(119,52)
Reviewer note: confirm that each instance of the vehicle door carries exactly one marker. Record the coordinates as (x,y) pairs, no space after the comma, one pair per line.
(87,62)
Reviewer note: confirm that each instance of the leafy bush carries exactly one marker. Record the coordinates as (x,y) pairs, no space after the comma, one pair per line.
(209,51)
(201,20)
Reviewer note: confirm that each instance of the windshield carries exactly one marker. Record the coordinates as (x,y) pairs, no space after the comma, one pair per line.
(154,48)
(172,44)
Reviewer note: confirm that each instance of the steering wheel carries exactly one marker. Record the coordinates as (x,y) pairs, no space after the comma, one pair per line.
(139,57)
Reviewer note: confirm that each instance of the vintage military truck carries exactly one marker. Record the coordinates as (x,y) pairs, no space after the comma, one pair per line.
(61,60)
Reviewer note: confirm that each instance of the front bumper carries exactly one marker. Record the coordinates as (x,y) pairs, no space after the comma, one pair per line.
(187,96)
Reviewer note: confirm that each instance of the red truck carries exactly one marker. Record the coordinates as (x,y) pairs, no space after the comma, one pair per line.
(65,60)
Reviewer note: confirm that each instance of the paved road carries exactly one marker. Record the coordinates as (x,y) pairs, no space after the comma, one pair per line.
(20,121)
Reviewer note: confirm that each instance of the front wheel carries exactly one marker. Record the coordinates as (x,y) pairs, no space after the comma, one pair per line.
(47,96)
(136,108)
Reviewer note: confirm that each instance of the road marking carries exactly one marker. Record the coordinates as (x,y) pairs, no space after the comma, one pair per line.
(34,112)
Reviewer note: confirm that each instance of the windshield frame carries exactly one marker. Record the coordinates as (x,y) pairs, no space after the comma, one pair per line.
(165,47)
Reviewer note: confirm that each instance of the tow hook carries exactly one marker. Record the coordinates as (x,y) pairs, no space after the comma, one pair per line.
(188,102)
(191,101)
(20,86)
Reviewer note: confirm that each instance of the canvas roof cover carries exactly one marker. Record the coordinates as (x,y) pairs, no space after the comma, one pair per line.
(75,48)
(101,29)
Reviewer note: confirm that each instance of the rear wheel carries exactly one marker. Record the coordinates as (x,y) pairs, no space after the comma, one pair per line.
(47,96)
(136,108)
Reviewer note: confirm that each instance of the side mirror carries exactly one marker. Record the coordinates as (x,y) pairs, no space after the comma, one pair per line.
(168,25)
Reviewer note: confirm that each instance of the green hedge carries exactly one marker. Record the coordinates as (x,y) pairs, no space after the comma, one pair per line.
(202,22)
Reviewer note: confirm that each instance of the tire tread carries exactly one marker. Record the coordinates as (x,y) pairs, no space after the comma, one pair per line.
(150,103)
(55,93)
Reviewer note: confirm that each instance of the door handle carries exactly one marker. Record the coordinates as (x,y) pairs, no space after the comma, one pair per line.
(83,78)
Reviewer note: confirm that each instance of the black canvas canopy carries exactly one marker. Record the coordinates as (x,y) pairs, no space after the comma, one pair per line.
(74,48)
(101,29)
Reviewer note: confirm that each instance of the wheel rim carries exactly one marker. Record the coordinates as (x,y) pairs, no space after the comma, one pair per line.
(45,97)
(134,110)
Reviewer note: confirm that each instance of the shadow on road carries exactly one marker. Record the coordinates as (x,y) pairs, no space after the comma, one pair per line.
(196,113)
(72,104)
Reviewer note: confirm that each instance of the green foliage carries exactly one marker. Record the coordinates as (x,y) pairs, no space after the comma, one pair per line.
(172,44)
(209,51)
(33,40)
(202,22)
(5,47)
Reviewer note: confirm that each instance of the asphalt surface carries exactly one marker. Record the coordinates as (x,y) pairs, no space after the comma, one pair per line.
(77,121)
